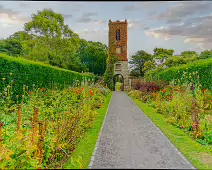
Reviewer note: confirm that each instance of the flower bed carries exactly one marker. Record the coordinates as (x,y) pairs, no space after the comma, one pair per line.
(185,104)
(46,125)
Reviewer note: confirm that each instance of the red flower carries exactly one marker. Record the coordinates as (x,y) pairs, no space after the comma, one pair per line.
(211,101)
(91,92)
(78,91)
(203,90)
(164,91)
(182,126)
(31,92)
(82,88)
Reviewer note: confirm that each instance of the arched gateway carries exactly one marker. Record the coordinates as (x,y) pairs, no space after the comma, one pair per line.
(118,38)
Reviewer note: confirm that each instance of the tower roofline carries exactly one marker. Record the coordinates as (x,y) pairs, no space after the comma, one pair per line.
(118,21)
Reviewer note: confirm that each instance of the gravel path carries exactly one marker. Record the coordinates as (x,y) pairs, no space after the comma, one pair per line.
(130,140)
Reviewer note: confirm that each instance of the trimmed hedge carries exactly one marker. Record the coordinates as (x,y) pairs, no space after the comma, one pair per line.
(204,68)
(26,72)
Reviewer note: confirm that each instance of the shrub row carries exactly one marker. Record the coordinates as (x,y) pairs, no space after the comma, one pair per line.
(18,72)
(203,67)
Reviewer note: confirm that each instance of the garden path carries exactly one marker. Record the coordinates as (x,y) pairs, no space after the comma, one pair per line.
(129,139)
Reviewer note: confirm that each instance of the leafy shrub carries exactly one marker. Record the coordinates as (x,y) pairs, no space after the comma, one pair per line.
(180,60)
(185,104)
(41,132)
(19,71)
(109,73)
(203,67)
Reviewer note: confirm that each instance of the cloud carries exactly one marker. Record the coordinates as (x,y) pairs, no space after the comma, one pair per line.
(143,5)
(7,11)
(90,14)
(100,22)
(87,17)
(198,31)
(67,16)
(10,17)
(182,10)
(135,24)
(94,31)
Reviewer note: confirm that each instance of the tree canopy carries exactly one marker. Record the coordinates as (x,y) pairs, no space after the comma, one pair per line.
(48,39)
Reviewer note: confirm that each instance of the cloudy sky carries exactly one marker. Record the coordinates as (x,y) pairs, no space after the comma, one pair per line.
(177,25)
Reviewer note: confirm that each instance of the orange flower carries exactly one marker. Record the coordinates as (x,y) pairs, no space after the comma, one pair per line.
(82,88)
(164,91)
(99,91)
(211,101)
(203,90)
(91,92)
(78,91)
(31,92)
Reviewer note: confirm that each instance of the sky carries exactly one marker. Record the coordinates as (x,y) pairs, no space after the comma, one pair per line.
(178,25)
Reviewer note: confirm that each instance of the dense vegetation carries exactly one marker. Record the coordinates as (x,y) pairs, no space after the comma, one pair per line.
(46,125)
(17,72)
(145,64)
(183,102)
(46,38)
(48,95)
(203,67)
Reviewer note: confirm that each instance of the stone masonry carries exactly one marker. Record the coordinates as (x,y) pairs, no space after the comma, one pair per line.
(118,48)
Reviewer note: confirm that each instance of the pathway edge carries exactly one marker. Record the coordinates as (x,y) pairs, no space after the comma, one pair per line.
(97,143)
(172,145)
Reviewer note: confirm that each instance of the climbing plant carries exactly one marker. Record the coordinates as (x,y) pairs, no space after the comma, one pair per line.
(109,73)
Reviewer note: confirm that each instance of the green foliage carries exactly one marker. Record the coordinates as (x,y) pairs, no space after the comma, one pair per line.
(160,53)
(206,54)
(109,73)
(54,42)
(189,53)
(184,103)
(203,67)
(149,65)
(52,122)
(29,72)
(93,56)
(193,151)
(153,74)
(180,60)
(137,62)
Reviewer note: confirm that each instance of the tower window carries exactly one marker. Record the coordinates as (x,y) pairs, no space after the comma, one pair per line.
(117,35)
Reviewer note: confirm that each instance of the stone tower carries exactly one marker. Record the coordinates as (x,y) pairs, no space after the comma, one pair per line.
(118,38)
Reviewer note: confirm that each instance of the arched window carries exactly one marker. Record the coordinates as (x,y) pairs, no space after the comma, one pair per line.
(117,35)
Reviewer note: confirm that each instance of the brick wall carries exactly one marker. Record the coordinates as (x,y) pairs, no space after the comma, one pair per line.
(122,43)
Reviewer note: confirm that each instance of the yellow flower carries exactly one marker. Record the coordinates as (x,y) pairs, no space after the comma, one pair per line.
(3,79)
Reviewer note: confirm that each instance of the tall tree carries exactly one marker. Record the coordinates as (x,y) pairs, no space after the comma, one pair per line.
(137,62)
(189,53)
(93,56)
(54,43)
(161,54)
(205,54)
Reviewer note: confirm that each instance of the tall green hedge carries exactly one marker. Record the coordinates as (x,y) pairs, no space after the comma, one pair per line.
(204,68)
(26,72)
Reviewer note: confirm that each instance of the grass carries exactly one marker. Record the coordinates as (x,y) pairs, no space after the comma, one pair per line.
(118,86)
(85,148)
(199,155)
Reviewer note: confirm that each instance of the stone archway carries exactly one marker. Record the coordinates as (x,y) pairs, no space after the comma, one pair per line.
(115,77)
